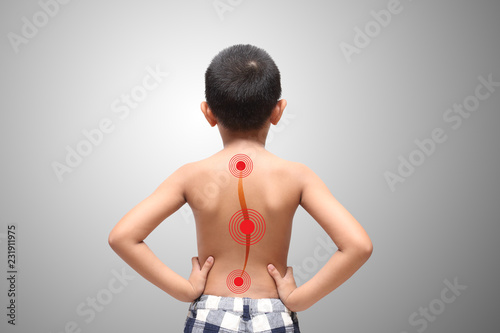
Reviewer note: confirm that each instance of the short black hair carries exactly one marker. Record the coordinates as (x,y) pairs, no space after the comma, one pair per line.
(242,86)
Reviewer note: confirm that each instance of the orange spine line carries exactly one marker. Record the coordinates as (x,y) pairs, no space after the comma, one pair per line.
(243,205)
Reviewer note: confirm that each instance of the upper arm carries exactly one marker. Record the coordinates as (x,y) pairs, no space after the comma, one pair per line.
(138,223)
(338,223)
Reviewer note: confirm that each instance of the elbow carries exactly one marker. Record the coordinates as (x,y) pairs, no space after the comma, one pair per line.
(365,249)
(114,239)
(369,250)
(360,249)
(119,238)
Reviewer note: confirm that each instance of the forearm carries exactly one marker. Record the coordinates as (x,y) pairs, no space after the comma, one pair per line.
(340,267)
(140,257)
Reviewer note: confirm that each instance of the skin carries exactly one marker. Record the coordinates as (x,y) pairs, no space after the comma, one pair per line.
(275,188)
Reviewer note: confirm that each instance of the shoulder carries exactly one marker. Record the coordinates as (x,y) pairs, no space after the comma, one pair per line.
(195,166)
(296,172)
(194,171)
(297,169)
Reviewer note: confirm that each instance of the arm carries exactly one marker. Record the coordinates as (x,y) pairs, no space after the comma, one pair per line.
(127,240)
(354,246)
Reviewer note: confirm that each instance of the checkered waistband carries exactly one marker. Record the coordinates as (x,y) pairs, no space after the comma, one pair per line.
(239,305)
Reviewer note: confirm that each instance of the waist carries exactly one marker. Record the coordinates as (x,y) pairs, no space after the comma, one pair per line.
(229,281)
(239,304)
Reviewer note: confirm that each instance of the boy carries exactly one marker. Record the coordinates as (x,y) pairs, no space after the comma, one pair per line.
(240,281)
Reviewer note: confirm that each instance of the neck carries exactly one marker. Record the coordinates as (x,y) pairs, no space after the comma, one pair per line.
(240,140)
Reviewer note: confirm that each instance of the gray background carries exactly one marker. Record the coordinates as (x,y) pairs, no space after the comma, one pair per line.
(348,122)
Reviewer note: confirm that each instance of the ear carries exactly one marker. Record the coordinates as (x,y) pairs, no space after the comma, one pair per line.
(278,111)
(208,114)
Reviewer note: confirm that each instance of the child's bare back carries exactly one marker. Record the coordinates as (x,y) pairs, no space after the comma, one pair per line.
(272,192)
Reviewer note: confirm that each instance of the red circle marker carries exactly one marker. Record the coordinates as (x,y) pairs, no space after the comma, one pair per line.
(247,227)
(238,281)
(239,228)
(240,165)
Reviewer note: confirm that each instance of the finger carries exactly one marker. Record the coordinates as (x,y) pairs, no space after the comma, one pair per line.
(289,276)
(289,272)
(195,263)
(274,273)
(207,266)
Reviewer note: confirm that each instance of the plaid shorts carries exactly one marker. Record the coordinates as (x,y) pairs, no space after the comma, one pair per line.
(234,314)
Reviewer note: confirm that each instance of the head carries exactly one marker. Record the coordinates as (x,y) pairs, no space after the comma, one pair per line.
(242,89)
